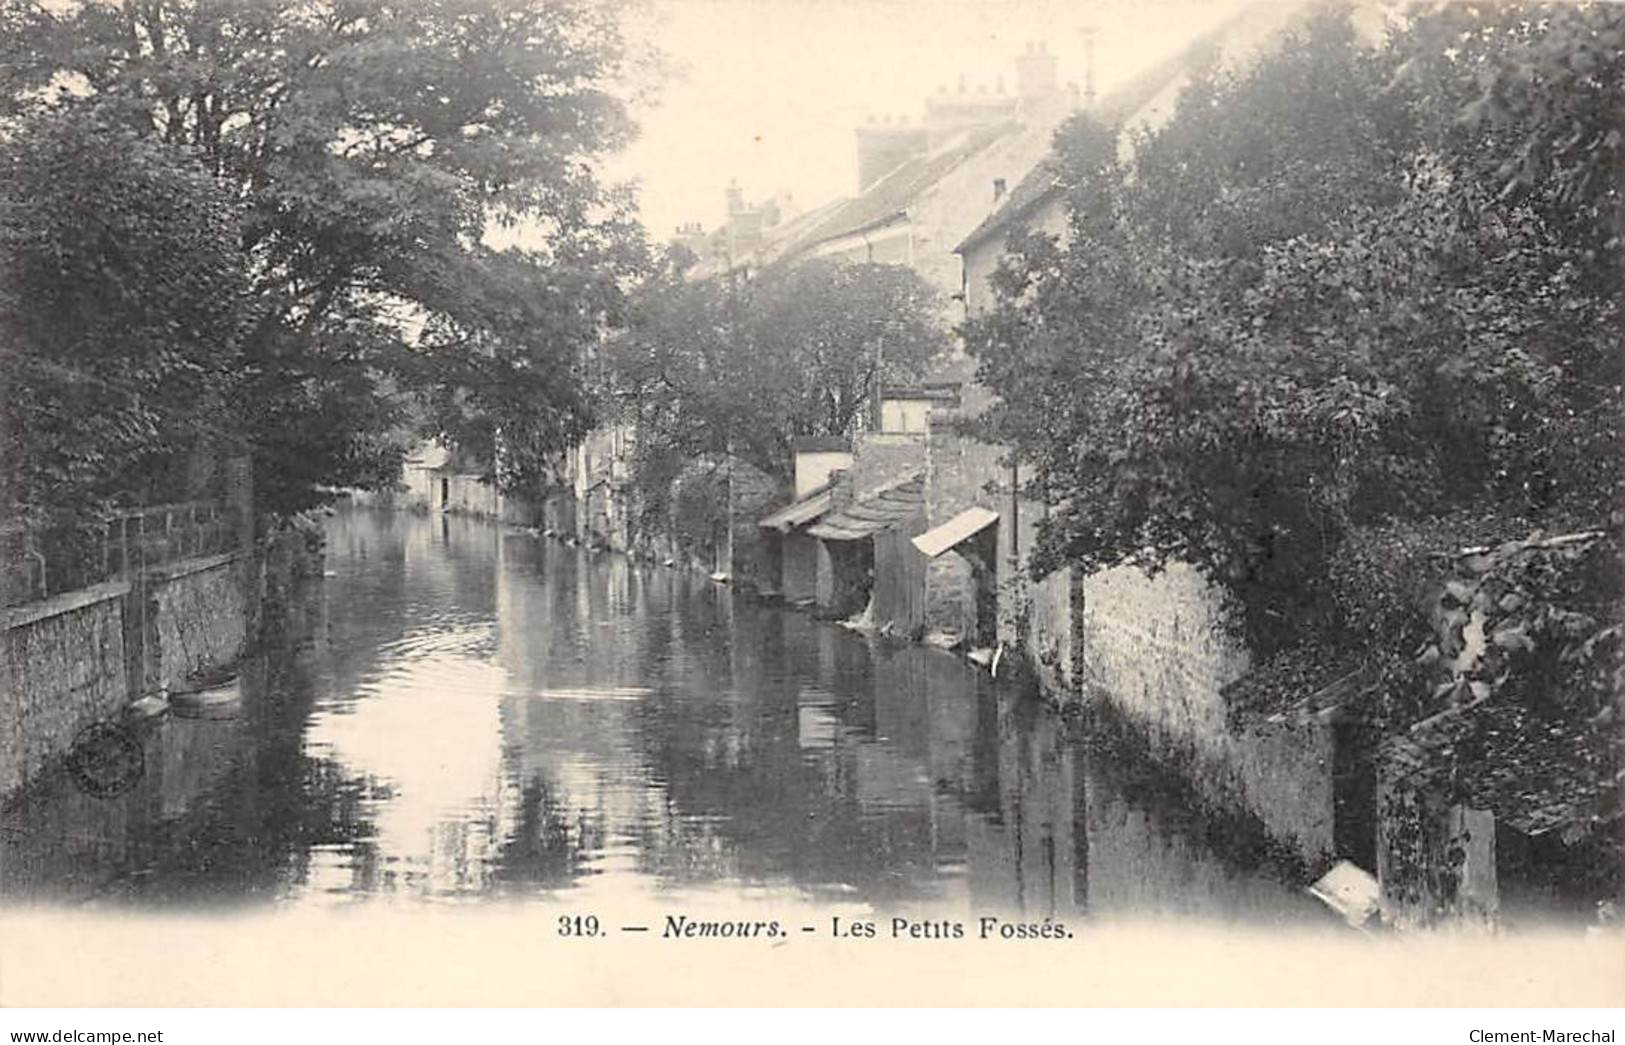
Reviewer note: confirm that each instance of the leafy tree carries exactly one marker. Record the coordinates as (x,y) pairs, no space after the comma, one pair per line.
(370,144)
(124,304)
(1314,332)
(742,368)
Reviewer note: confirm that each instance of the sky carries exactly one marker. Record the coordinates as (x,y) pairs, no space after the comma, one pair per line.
(769,92)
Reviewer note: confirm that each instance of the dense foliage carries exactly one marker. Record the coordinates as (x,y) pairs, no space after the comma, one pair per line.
(732,367)
(123,309)
(1349,308)
(369,145)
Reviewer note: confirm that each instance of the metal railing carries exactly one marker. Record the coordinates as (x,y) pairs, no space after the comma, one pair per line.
(41,561)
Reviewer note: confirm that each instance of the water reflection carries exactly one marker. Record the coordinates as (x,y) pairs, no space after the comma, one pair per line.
(489,714)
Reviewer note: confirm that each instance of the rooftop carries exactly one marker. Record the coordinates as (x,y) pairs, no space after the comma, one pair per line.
(891,196)
(869,513)
(1117,109)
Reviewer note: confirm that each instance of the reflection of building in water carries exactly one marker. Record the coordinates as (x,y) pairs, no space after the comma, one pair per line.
(501,714)
(1073,833)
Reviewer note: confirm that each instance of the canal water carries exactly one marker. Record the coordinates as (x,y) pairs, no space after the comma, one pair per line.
(478,714)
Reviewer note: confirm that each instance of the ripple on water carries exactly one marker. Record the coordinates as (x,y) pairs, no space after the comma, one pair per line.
(518,719)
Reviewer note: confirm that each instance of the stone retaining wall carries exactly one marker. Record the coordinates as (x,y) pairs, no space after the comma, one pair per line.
(197,618)
(80,657)
(62,667)
(1157,648)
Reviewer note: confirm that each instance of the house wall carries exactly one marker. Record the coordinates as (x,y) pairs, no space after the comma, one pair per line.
(880,459)
(948,211)
(464,494)
(752,494)
(599,470)
(904,415)
(883,458)
(813,468)
(899,591)
(962,473)
(982,259)
(419,493)
(950,596)
(770,562)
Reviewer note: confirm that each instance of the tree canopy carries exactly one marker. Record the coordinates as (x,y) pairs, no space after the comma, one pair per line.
(1314,331)
(105,390)
(743,367)
(369,145)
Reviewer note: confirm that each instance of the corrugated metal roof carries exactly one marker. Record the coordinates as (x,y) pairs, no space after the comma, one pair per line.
(869,514)
(967,523)
(803,511)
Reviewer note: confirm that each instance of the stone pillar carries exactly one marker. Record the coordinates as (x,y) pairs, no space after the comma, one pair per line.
(1472,833)
(1435,856)
(1080,660)
(239,497)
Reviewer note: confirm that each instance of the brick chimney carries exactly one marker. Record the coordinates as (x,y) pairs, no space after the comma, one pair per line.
(1035,73)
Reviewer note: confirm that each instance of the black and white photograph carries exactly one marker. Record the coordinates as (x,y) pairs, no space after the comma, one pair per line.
(812,502)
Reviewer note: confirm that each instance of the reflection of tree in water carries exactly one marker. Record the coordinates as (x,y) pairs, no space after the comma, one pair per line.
(547,844)
(234,821)
(250,838)
(744,798)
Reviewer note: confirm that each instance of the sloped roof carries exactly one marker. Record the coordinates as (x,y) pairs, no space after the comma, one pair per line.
(775,239)
(792,232)
(966,524)
(1042,182)
(798,512)
(878,510)
(1114,110)
(429,455)
(891,196)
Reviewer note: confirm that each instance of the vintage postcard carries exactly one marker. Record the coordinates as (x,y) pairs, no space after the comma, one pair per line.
(811,502)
